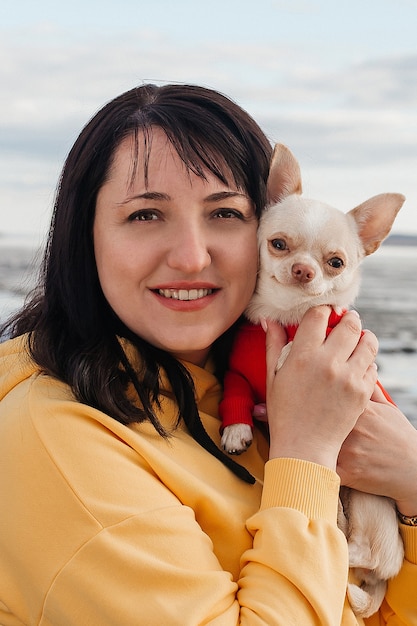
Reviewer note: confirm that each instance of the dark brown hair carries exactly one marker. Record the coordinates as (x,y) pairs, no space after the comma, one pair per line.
(73,333)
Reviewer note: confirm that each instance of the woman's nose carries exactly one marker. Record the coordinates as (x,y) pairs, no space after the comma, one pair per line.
(189,251)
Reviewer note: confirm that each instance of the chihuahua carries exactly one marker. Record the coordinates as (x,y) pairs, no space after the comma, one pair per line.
(310,254)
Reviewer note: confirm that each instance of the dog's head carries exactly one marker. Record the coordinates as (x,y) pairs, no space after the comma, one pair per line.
(310,252)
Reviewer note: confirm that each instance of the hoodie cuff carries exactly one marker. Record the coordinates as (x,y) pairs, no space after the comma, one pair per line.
(307,487)
(409,536)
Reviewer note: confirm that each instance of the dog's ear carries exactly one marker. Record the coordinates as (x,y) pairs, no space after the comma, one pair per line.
(284,175)
(375,217)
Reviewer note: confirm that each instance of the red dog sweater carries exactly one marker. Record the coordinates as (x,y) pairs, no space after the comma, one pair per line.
(245,380)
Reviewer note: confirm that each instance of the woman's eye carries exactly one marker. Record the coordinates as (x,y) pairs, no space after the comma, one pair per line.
(143,216)
(279,244)
(335,262)
(228,213)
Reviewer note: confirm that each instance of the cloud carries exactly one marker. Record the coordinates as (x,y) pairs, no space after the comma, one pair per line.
(382,83)
(342,137)
(344,124)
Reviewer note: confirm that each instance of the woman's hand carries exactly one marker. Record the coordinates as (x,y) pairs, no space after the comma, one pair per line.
(315,399)
(380,454)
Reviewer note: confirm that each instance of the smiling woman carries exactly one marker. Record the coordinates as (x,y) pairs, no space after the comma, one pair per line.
(118,505)
(183,250)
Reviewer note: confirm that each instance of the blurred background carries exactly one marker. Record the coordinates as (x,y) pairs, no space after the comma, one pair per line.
(336,82)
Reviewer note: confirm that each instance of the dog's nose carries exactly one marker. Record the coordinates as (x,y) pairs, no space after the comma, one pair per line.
(303,273)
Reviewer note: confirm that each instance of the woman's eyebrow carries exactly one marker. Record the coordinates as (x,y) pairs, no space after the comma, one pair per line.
(147,195)
(218,196)
(225,195)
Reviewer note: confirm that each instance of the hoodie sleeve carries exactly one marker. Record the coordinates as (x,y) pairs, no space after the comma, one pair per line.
(91,533)
(157,567)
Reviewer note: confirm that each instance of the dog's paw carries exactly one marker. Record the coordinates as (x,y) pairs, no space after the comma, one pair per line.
(236,438)
(366,600)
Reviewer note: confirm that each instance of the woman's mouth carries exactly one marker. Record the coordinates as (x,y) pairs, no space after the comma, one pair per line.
(185,294)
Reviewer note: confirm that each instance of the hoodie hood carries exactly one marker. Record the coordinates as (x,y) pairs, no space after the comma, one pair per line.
(16,365)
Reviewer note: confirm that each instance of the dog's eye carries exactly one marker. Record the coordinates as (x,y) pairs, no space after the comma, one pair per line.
(279,244)
(335,262)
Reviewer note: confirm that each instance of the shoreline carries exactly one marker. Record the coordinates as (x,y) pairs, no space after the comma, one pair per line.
(387,305)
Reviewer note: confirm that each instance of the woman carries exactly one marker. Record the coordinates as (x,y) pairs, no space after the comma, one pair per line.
(118,506)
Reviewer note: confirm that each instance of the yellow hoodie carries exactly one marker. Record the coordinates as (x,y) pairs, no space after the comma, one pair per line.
(107,525)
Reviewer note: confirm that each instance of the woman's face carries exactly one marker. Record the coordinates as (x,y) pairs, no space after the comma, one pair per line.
(176,255)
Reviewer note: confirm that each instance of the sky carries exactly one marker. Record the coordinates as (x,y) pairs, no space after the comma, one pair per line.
(334,80)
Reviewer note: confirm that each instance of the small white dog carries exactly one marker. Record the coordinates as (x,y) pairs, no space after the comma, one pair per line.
(310,254)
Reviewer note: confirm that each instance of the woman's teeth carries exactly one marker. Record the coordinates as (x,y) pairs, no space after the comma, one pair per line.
(184,294)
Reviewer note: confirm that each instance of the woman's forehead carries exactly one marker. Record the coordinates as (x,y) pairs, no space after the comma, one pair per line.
(150,150)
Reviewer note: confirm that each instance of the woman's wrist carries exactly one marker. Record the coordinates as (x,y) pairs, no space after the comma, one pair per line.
(309,454)
(407,505)
(407,509)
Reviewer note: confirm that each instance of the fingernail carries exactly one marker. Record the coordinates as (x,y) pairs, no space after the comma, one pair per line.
(354,312)
(264,323)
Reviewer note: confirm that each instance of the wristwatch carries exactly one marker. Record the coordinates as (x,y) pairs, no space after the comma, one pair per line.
(408,521)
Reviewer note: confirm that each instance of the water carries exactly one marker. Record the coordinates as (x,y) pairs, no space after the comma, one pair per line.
(19,262)
(387,304)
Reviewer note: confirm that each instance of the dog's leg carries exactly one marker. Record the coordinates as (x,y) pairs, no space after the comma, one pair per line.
(236,438)
(376,550)
(373,520)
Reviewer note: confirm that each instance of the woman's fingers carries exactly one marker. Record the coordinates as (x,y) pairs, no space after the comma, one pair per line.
(314,400)
(346,347)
